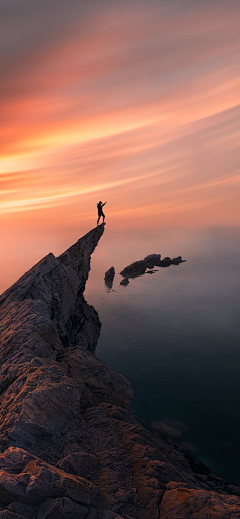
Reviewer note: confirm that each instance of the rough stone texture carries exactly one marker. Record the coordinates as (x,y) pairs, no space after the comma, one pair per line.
(37,481)
(96,381)
(155,464)
(71,448)
(183,503)
(7,514)
(22,509)
(79,463)
(61,508)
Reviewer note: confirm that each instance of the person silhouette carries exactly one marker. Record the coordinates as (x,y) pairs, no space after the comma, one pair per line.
(100,211)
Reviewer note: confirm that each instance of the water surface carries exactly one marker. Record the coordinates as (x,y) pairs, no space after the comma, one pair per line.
(175,335)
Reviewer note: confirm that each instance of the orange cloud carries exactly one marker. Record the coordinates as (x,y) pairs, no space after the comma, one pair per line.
(136,102)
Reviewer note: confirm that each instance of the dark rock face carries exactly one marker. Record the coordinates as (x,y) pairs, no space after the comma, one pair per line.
(71,449)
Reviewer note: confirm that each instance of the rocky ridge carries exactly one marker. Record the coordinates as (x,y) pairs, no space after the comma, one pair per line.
(70,447)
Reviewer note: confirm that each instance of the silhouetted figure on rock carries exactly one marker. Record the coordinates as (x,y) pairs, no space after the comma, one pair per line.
(100,211)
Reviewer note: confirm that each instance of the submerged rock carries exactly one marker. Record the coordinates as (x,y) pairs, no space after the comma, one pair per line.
(166,431)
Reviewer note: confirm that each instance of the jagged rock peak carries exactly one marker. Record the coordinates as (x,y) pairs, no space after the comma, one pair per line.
(58,285)
(46,326)
(38,282)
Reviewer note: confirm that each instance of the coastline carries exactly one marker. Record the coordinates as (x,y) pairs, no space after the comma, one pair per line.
(67,432)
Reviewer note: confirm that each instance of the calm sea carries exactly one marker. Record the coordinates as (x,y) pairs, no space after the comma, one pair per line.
(175,335)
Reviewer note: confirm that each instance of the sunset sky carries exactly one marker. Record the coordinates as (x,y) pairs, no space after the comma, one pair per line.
(133,102)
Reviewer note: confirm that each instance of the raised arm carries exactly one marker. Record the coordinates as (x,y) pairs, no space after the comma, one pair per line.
(104,204)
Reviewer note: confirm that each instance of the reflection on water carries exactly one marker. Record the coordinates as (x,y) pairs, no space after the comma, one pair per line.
(175,335)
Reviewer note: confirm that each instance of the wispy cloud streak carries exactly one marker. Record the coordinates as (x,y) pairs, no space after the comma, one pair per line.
(136,101)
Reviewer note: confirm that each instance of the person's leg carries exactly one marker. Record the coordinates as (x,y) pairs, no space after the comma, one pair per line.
(103,215)
(98,220)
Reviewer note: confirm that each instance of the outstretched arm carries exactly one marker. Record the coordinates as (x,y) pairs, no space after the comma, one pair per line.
(104,204)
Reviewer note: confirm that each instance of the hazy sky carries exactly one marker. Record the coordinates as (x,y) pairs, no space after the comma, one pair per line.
(133,102)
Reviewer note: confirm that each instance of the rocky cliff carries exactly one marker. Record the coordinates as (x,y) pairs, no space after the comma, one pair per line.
(70,447)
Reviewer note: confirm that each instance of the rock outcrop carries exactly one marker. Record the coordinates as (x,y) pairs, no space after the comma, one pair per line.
(139,267)
(44,378)
(70,447)
(109,277)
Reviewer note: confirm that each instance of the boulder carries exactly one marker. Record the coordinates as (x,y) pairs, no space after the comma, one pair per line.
(79,463)
(36,481)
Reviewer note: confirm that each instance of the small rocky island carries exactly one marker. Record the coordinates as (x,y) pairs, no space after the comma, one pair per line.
(138,268)
(70,447)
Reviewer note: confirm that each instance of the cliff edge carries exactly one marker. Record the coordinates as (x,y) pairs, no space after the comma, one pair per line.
(70,447)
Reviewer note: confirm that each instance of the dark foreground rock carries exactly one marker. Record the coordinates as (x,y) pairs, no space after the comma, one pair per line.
(70,447)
